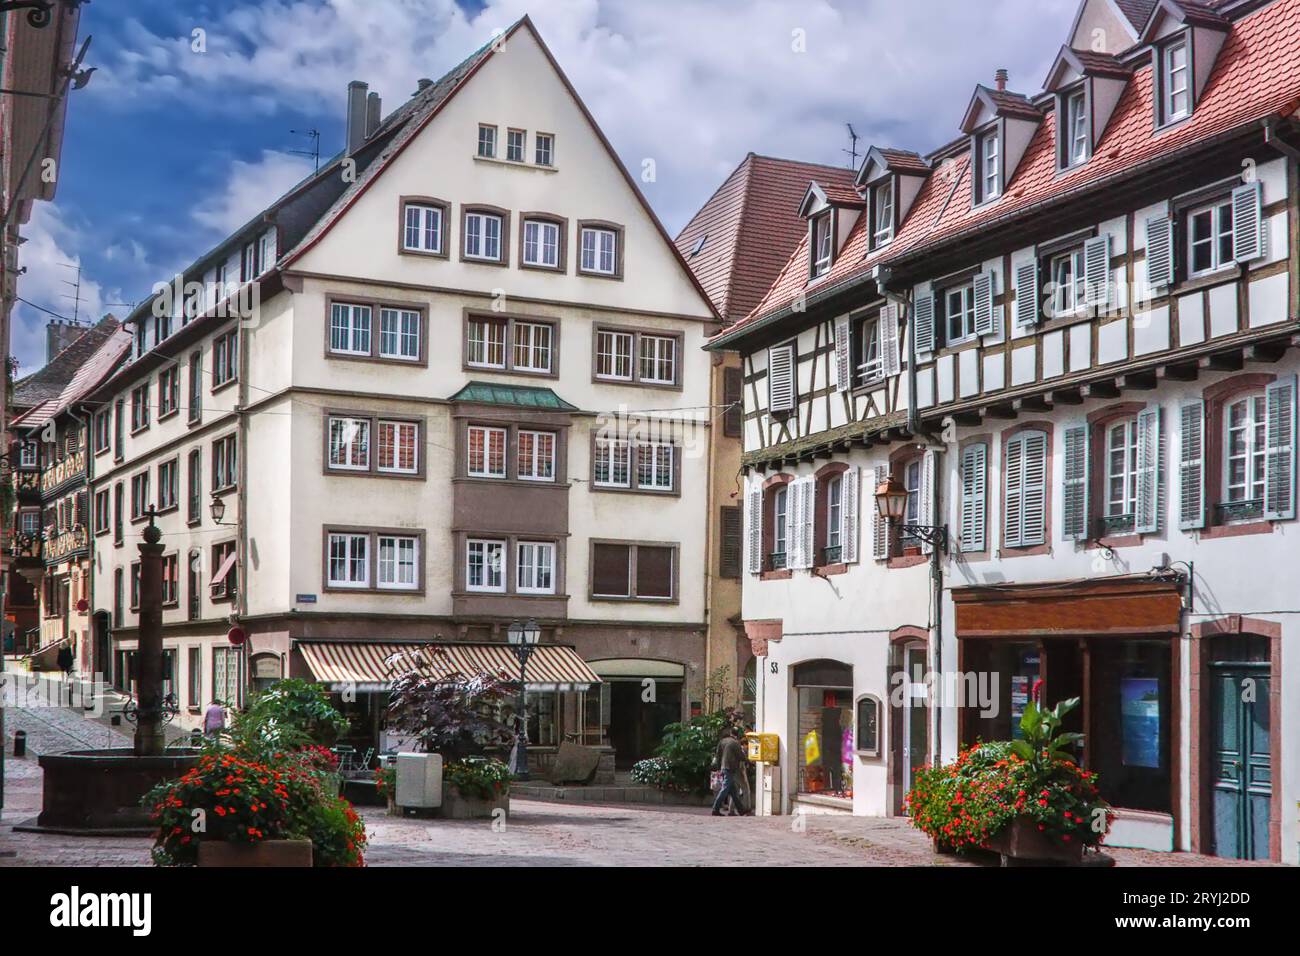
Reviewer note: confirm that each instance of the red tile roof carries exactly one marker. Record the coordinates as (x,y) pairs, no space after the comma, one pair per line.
(1256,76)
(750,226)
(839,194)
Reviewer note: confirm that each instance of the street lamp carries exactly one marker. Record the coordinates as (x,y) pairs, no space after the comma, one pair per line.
(218,508)
(891,505)
(523,638)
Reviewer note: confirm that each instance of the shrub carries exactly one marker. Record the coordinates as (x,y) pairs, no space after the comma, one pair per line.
(288,715)
(450,715)
(653,772)
(484,778)
(687,750)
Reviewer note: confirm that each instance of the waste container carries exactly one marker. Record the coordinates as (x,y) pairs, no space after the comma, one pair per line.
(20,743)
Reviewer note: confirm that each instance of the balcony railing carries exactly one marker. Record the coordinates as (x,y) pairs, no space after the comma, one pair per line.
(1250,510)
(27,483)
(26,544)
(776,561)
(60,544)
(1117,524)
(831,555)
(70,467)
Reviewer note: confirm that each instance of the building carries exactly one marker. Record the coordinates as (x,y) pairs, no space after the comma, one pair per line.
(466,391)
(1090,298)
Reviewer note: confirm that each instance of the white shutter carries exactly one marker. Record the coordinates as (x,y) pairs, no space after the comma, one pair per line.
(1075,484)
(850,497)
(809,521)
(879,526)
(923,324)
(1248,222)
(1147,519)
(780,379)
(754,529)
(984,303)
(1033,522)
(1096,270)
(1027,294)
(890,361)
(794,524)
(926,502)
(1279,460)
(1191,466)
(1160,252)
(974,502)
(843,355)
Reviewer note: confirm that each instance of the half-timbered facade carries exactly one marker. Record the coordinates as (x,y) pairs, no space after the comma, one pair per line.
(1094,293)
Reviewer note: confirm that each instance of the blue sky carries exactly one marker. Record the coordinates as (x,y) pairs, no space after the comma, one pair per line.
(184,130)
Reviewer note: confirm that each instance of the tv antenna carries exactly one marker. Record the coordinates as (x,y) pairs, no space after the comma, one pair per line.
(314,152)
(853,147)
(76,292)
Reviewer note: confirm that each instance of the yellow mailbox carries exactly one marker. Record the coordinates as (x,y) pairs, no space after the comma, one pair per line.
(763,748)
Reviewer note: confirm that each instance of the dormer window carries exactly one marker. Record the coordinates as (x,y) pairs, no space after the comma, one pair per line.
(882,214)
(821,233)
(1175,82)
(1075,127)
(990,166)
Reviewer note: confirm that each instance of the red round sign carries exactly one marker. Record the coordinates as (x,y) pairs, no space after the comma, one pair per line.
(83,605)
(237,636)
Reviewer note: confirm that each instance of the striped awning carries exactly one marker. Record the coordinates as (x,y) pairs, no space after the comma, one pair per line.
(372,665)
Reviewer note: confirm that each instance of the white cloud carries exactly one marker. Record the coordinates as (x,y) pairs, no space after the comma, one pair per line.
(249,188)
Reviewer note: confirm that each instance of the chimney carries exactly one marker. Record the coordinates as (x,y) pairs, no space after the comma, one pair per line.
(372,114)
(58,336)
(1000,80)
(422,84)
(356,126)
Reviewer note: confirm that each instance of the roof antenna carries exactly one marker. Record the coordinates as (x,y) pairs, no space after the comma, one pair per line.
(853,147)
(76,291)
(314,152)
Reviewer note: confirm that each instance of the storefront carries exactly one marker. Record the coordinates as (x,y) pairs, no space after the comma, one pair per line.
(824,728)
(638,698)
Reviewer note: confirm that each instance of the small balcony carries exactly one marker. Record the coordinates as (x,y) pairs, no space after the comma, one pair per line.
(776,561)
(1231,512)
(27,485)
(26,546)
(61,545)
(1114,525)
(63,472)
(832,555)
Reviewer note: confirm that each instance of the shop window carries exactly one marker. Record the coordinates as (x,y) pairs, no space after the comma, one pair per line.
(867,726)
(824,740)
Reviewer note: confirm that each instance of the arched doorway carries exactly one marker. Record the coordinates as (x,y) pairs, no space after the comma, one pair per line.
(639,698)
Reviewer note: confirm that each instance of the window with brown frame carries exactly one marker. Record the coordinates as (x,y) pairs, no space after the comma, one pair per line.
(118,517)
(135,585)
(733,397)
(633,571)
(485,235)
(621,464)
(730,541)
(140,408)
(516,344)
(600,249)
(225,462)
(635,356)
(171,587)
(378,331)
(102,432)
(542,242)
(168,484)
(139,495)
(196,388)
(225,572)
(517,451)
(359,443)
(424,226)
(194,488)
(102,509)
(225,358)
(169,391)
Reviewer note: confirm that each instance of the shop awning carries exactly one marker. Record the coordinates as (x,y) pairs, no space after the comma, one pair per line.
(368,665)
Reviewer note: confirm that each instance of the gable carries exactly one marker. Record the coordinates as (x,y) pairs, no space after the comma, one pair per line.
(1103,27)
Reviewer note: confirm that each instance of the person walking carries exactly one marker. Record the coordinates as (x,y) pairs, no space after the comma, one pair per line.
(730,759)
(214,718)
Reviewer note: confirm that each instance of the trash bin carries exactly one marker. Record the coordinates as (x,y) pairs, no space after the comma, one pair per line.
(20,743)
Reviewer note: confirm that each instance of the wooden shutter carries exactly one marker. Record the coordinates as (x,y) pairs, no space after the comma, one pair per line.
(1075,484)
(974,502)
(1149,445)
(1012,486)
(925,503)
(754,520)
(731,543)
(850,499)
(794,524)
(807,540)
(1191,466)
(1279,460)
(879,526)
(733,396)
(984,303)
(843,355)
(1027,294)
(781,395)
(1160,252)
(923,324)
(1248,222)
(890,361)
(1033,524)
(1096,270)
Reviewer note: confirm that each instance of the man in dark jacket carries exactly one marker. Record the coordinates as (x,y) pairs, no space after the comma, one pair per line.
(730,759)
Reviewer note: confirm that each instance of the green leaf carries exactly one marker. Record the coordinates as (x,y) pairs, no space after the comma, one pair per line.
(1022,750)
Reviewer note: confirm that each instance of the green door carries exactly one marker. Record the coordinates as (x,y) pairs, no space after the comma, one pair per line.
(1242,775)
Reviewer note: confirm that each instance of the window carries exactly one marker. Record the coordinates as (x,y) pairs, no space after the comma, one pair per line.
(119,416)
(1069,282)
(1245,428)
(169,391)
(171,587)
(225,674)
(1209,238)
(101,514)
(655,467)
(196,387)
(224,463)
(225,575)
(870,359)
(731,541)
(485,565)
(535,568)
(633,571)
(225,358)
(140,407)
(536,455)
(614,355)
(194,488)
(487,141)
(990,166)
(1076,128)
(139,495)
(349,444)
(532,346)
(250,263)
(487,452)
(658,359)
(1025,462)
(399,562)
(29,454)
(883,213)
(118,522)
(515,139)
(1175,89)
(349,329)
(422,227)
(780,516)
(834,518)
(194,673)
(135,585)
(486,343)
(821,245)
(912,513)
(399,334)
(101,440)
(399,447)
(545,149)
(348,561)
(482,236)
(611,463)
(168,484)
(1121,469)
(959,312)
(600,252)
(541,243)
(616,460)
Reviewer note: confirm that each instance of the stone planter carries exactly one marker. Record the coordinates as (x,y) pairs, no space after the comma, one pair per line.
(1022,843)
(219,853)
(99,791)
(456,806)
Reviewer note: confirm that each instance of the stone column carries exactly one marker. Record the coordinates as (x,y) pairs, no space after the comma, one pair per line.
(149,738)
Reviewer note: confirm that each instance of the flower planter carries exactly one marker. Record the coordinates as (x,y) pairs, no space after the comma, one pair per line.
(1021,842)
(458,806)
(267,853)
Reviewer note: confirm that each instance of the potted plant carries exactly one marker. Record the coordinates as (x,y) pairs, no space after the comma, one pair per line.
(386,787)
(475,787)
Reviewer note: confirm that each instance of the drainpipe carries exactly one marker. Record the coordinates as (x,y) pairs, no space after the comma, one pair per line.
(241,493)
(1272,138)
(85,426)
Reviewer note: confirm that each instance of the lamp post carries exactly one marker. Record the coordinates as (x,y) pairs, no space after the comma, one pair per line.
(891,505)
(218,508)
(523,638)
